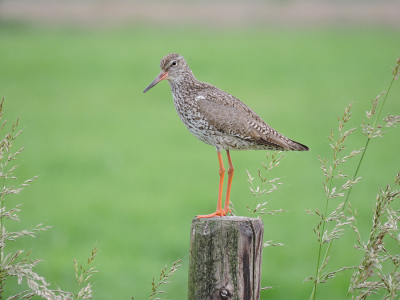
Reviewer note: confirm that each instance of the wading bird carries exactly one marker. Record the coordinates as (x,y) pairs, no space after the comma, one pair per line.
(218,119)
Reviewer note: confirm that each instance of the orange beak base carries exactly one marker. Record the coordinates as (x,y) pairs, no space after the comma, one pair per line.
(163,75)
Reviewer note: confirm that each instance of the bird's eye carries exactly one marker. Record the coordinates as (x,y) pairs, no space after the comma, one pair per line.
(174,63)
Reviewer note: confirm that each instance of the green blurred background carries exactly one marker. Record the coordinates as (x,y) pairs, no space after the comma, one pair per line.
(118,168)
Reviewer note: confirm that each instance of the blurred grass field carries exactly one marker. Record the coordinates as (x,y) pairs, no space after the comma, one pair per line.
(118,168)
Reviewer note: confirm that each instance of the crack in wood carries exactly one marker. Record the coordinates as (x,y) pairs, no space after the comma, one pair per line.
(225,259)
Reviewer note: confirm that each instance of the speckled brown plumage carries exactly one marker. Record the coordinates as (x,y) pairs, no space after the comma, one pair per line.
(216,117)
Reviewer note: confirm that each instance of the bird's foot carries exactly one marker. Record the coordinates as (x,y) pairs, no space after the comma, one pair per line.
(218,213)
(227,210)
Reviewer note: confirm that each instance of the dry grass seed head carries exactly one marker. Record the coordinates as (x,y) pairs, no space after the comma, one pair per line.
(266,187)
(164,275)
(374,249)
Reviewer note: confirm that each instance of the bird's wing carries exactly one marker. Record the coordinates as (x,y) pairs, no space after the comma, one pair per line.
(231,116)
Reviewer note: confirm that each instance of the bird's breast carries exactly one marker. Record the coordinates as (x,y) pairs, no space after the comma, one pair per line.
(194,121)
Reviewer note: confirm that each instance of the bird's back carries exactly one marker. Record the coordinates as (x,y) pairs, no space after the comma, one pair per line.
(220,119)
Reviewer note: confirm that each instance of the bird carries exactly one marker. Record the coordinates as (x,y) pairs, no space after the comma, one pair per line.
(218,119)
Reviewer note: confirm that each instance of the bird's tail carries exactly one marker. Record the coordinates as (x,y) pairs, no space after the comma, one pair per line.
(297,146)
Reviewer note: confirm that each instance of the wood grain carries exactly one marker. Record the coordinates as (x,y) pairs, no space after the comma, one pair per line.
(225,258)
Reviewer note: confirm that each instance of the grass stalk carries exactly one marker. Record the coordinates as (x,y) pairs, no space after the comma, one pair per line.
(331,192)
(266,187)
(1,230)
(369,138)
(371,132)
(370,276)
(2,208)
(164,275)
(314,291)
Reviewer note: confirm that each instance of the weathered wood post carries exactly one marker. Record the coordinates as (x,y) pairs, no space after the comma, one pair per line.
(225,258)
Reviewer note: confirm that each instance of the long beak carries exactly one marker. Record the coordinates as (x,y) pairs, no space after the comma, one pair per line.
(159,77)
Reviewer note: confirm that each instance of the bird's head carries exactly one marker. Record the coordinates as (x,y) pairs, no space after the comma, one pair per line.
(172,67)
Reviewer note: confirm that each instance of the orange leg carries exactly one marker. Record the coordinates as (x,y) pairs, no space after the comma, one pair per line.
(220,212)
(230,176)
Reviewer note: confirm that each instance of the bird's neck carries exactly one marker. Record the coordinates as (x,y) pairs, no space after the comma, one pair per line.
(183,83)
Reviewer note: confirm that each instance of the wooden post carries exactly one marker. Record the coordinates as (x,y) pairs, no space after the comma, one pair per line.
(225,258)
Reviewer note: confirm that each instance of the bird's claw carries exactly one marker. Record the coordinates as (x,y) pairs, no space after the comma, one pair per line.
(218,213)
(227,210)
